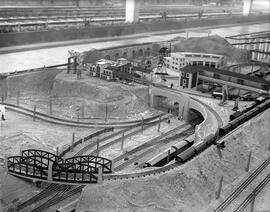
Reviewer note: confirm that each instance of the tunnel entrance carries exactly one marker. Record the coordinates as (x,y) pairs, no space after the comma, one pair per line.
(165,104)
(194,117)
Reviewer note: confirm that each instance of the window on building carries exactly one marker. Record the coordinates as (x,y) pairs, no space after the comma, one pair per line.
(188,55)
(200,63)
(184,82)
(194,63)
(168,66)
(197,55)
(212,65)
(207,64)
(187,75)
(215,57)
(183,74)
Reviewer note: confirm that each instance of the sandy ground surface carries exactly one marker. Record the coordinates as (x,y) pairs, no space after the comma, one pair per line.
(88,98)
(17,133)
(192,186)
(57,55)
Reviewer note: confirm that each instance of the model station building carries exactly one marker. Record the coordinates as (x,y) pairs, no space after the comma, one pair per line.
(188,79)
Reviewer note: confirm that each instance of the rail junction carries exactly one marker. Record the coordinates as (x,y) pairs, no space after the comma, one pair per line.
(67,176)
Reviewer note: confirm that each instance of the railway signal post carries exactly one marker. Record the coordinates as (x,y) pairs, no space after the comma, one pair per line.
(248,162)
(34,117)
(50,102)
(142,125)
(97,146)
(18,97)
(100,175)
(219,188)
(159,120)
(49,178)
(122,143)
(72,143)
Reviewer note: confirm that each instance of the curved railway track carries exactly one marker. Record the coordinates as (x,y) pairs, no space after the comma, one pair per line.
(59,195)
(70,123)
(240,188)
(127,133)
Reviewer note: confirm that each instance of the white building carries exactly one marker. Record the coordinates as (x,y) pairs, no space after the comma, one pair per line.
(178,60)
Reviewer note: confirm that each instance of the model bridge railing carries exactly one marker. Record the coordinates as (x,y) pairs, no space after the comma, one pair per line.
(42,165)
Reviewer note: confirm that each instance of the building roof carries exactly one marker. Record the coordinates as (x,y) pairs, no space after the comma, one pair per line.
(141,69)
(190,69)
(195,69)
(197,53)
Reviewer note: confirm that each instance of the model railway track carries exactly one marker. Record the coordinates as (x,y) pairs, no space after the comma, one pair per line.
(240,188)
(55,189)
(254,193)
(127,133)
(142,150)
(59,195)
(70,123)
(48,191)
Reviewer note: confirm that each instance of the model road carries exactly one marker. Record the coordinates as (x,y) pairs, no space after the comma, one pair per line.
(56,55)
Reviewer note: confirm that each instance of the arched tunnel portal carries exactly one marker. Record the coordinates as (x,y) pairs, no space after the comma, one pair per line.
(194,117)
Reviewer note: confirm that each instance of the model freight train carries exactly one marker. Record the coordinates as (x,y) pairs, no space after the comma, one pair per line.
(186,149)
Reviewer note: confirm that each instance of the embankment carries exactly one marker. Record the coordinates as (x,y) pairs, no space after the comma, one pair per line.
(190,187)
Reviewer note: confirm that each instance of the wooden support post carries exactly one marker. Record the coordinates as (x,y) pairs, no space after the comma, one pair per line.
(159,120)
(57,151)
(106,112)
(112,167)
(18,98)
(82,111)
(6,164)
(100,175)
(2,98)
(248,161)
(83,140)
(122,142)
(97,146)
(142,125)
(219,188)
(72,142)
(50,105)
(35,108)
(49,177)
(168,157)
(252,204)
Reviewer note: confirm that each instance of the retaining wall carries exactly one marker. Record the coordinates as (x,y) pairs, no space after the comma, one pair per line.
(10,39)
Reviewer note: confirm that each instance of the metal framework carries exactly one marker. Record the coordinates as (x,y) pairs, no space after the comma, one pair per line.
(42,165)
(257,43)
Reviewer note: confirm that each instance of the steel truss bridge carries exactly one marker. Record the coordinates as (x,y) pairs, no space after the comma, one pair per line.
(257,43)
(44,166)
